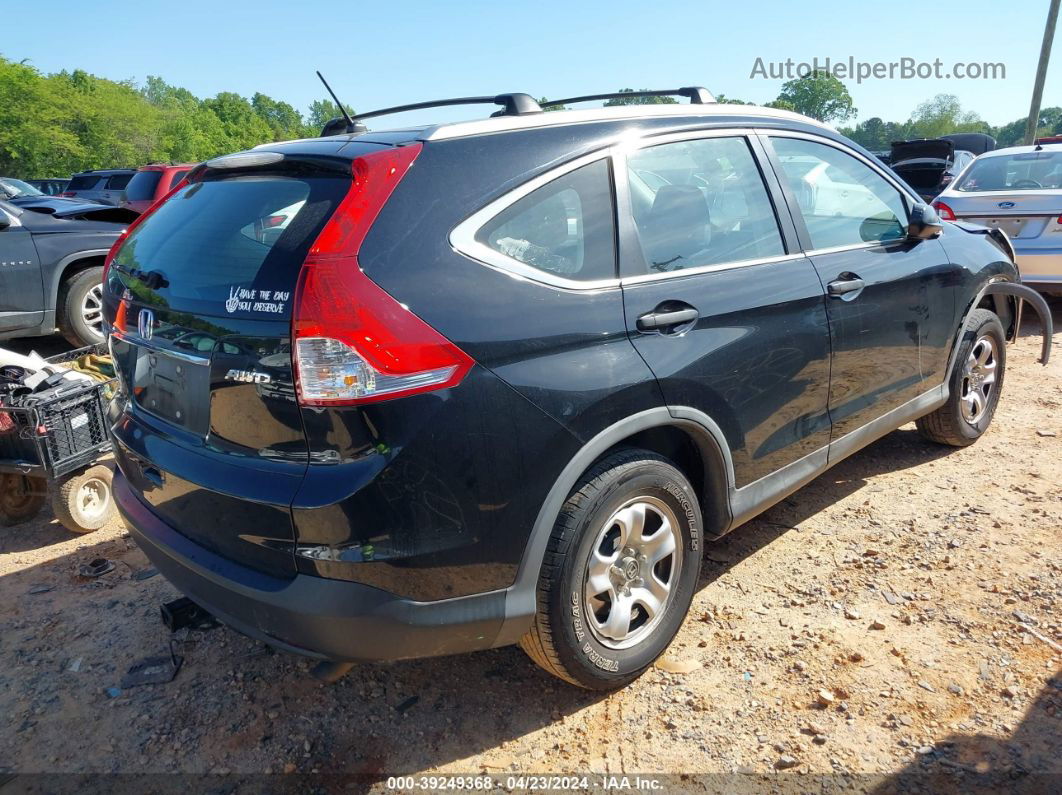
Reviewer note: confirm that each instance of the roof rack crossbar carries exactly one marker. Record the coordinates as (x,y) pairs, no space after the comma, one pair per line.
(513,104)
(696,95)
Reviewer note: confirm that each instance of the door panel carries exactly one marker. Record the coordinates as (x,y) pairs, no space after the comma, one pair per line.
(21,288)
(756,360)
(886,293)
(881,352)
(729,323)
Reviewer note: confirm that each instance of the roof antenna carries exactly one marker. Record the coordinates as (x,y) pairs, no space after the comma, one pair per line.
(338,126)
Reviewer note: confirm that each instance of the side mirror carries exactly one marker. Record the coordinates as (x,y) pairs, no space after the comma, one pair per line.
(5,222)
(924,224)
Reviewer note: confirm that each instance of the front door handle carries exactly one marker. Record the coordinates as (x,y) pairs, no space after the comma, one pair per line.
(657,321)
(848,283)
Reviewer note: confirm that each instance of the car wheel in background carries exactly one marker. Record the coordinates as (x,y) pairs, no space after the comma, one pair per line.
(79,309)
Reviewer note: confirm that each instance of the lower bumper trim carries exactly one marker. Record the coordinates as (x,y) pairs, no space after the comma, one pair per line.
(312,616)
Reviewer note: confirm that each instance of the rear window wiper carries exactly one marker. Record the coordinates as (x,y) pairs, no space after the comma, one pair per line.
(153,280)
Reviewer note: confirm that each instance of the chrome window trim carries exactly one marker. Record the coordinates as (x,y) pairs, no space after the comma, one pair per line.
(463,236)
(722,266)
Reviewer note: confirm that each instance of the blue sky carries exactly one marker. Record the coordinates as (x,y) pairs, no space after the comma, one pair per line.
(383,53)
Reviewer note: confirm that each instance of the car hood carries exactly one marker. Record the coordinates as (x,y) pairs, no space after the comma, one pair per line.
(74,209)
(935,148)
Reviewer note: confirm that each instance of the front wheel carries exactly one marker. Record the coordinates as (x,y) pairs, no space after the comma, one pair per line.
(619,572)
(975,384)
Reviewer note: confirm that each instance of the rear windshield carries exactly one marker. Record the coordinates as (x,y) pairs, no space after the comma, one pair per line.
(83,183)
(231,246)
(118,181)
(1025,171)
(142,185)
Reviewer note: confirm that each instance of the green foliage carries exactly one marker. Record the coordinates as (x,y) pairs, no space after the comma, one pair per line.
(550,108)
(55,125)
(819,95)
(723,99)
(639,100)
(943,114)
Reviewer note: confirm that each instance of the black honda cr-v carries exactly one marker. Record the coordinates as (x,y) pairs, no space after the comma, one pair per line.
(424,391)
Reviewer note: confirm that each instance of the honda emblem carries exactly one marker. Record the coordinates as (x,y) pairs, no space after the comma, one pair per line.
(145,323)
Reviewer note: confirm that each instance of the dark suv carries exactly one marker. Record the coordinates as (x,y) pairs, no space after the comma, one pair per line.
(500,381)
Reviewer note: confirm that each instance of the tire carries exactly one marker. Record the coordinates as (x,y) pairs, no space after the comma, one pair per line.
(83,502)
(21,498)
(77,295)
(978,371)
(579,637)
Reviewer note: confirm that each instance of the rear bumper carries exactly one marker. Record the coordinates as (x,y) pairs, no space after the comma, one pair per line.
(307,615)
(1039,268)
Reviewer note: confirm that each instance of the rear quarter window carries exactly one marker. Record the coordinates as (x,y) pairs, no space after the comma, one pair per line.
(564,228)
(87,182)
(118,181)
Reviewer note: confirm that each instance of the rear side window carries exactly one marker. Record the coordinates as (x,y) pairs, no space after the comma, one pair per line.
(118,181)
(177,177)
(231,246)
(698,203)
(565,228)
(843,201)
(85,182)
(142,186)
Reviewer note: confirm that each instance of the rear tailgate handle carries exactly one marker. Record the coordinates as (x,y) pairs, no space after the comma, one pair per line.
(153,476)
(848,283)
(656,321)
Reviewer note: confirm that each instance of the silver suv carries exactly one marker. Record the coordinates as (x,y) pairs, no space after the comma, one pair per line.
(105,186)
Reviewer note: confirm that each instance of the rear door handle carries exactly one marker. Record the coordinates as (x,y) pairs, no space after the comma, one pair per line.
(843,286)
(655,321)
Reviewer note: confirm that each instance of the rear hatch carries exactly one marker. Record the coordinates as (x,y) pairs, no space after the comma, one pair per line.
(200,296)
(931,148)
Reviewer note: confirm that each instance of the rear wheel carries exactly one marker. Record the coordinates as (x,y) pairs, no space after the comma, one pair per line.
(21,497)
(83,501)
(619,572)
(79,312)
(975,384)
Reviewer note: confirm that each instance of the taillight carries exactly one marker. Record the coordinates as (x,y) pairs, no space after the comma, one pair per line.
(944,211)
(354,343)
(66,194)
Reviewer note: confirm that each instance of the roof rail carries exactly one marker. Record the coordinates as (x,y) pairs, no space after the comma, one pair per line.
(696,94)
(513,104)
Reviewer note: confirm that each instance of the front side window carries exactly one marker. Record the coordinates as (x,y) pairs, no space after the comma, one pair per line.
(565,228)
(702,202)
(843,201)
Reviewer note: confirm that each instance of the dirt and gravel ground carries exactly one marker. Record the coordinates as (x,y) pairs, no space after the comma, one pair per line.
(900,615)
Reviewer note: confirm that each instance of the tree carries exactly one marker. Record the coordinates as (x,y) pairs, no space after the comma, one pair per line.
(1013,134)
(321,112)
(819,95)
(876,134)
(943,114)
(657,100)
(550,108)
(723,99)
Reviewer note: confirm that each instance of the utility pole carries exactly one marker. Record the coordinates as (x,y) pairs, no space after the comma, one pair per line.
(1041,73)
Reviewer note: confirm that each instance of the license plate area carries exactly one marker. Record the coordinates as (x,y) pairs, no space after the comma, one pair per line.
(173,388)
(1014,227)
